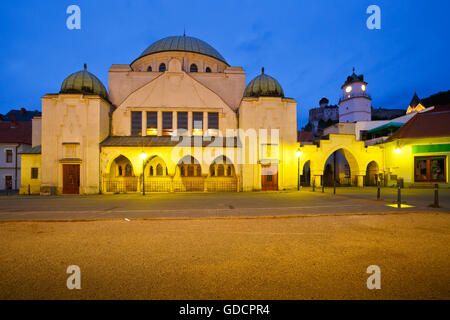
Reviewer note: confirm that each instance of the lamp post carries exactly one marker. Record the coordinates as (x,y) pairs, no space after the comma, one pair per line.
(143,156)
(298,153)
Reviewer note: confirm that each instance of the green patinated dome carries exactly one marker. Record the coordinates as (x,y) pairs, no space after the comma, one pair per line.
(263,86)
(84,82)
(183,43)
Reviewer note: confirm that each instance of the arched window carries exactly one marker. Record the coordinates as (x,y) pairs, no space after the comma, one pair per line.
(194,68)
(120,170)
(220,170)
(159,170)
(149,69)
(151,171)
(182,171)
(208,69)
(128,171)
(229,172)
(162,67)
(191,170)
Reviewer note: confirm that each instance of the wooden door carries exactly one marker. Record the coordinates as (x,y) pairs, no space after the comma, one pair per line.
(71,178)
(269,177)
(8,182)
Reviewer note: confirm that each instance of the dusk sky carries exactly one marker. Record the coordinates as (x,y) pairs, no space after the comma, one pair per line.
(310,47)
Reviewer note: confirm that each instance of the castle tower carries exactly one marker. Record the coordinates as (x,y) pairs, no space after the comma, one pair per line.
(355,104)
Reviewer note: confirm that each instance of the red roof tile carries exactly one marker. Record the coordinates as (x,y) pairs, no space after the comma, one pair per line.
(20,132)
(424,125)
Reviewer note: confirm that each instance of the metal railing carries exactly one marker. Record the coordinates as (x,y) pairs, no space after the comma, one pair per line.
(123,185)
(221,185)
(189,184)
(355,95)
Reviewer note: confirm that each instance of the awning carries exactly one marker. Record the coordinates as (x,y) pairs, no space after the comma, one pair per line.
(391,126)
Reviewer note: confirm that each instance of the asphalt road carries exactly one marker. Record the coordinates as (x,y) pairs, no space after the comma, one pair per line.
(314,257)
(196,205)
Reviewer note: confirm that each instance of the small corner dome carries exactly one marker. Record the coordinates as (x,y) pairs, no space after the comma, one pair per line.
(263,86)
(84,82)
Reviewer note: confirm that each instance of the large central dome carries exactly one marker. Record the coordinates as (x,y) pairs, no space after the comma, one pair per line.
(183,43)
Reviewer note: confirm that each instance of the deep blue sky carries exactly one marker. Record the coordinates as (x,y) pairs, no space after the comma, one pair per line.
(310,46)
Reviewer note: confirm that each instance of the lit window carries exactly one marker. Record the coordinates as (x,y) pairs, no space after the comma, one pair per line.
(152,123)
(197,123)
(193,68)
(363,87)
(167,123)
(348,89)
(208,69)
(182,121)
(213,123)
(136,123)
(162,67)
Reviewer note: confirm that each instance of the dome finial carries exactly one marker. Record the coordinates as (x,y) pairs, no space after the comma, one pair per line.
(262,70)
(85,67)
(353,69)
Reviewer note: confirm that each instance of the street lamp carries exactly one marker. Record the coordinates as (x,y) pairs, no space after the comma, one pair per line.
(143,156)
(298,153)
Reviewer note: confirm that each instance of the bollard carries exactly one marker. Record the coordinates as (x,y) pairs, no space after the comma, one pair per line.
(399,198)
(334,187)
(314,185)
(436,195)
(378,191)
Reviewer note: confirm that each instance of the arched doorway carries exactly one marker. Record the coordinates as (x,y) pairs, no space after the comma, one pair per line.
(188,176)
(121,178)
(305,178)
(372,174)
(222,175)
(337,169)
(157,177)
(328,175)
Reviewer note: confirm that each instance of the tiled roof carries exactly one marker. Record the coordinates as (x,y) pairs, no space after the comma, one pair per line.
(15,132)
(424,125)
(20,115)
(167,141)
(34,150)
(304,136)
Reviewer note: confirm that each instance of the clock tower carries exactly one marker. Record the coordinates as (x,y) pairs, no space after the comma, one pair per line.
(355,103)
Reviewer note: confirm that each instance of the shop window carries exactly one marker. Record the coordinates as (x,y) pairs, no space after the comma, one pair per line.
(430,169)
